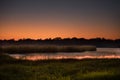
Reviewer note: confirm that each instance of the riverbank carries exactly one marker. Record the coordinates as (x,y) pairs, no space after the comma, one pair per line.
(43,49)
(65,69)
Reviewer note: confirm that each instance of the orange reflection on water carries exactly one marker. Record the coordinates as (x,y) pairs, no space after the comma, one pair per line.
(43,57)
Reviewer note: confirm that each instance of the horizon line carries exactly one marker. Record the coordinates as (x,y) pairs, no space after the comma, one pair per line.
(60,38)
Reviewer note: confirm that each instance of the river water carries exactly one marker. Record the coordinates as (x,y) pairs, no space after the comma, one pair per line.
(100,53)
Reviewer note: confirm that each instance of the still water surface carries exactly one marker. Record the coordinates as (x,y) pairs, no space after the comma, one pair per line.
(100,53)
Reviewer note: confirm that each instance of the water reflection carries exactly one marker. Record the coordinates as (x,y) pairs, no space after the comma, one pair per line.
(100,53)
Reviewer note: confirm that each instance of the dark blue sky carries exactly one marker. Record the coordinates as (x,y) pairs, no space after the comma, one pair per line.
(62,7)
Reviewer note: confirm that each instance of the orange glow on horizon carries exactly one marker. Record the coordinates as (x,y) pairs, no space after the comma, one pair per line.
(50,29)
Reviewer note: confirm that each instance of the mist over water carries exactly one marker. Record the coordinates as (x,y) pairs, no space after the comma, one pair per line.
(100,53)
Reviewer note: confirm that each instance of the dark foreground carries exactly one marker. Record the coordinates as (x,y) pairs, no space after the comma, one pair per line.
(87,69)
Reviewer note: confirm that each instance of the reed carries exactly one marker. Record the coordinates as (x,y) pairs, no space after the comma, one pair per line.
(45,49)
(86,69)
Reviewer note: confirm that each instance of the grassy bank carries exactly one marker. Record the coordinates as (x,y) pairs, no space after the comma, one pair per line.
(87,69)
(42,49)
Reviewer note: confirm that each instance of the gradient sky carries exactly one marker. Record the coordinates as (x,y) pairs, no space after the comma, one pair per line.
(59,18)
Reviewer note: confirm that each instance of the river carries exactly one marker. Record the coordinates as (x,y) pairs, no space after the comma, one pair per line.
(99,53)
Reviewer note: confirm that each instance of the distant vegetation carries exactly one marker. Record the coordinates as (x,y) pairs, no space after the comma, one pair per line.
(44,49)
(86,69)
(98,42)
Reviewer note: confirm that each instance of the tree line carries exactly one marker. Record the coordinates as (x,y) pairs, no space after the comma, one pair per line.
(98,42)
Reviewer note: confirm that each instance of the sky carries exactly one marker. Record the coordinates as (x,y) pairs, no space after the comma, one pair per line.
(59,18)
